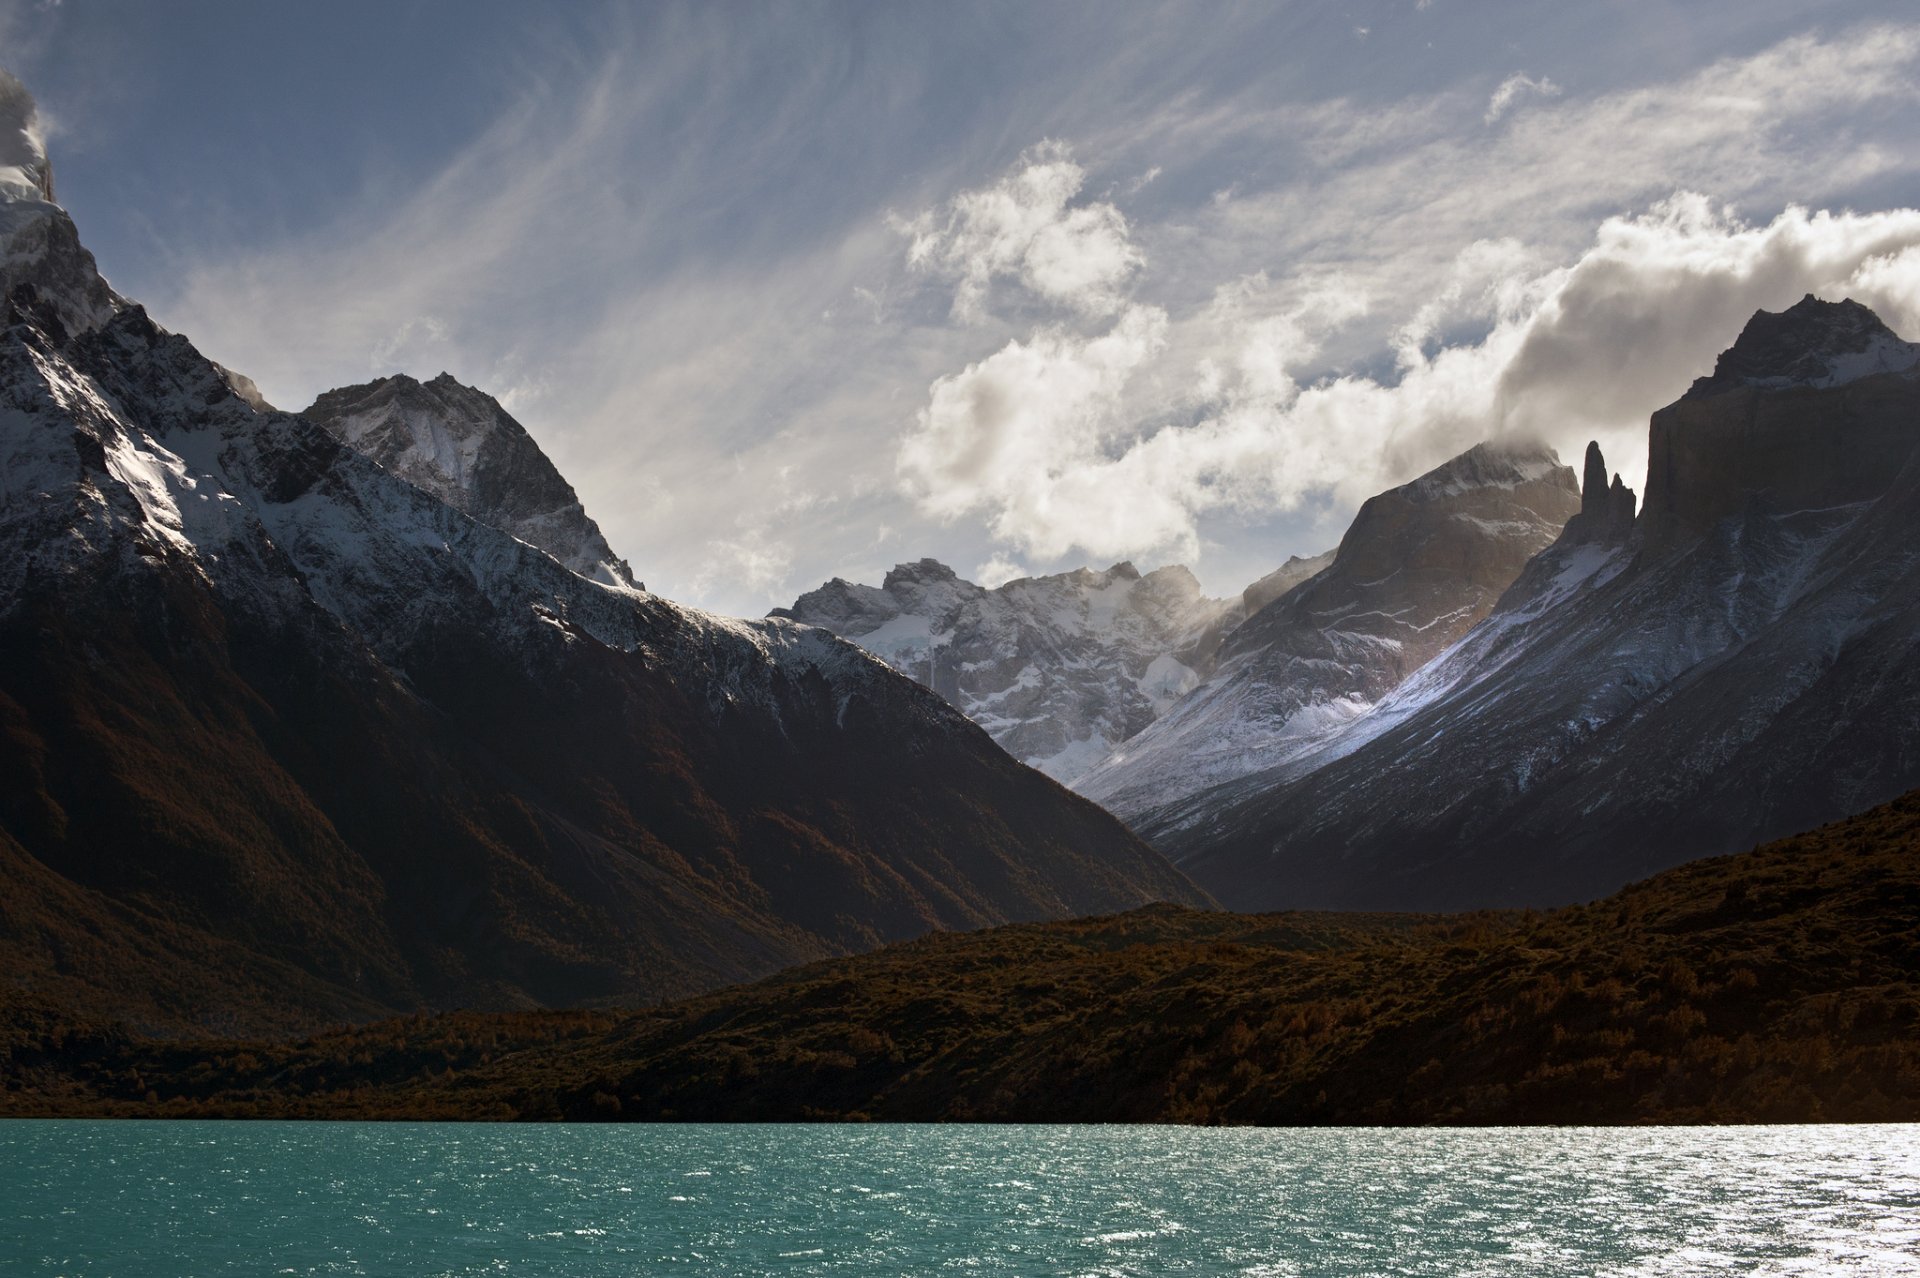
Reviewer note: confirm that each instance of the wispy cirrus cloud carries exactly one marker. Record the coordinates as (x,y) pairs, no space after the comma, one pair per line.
(777,320)
(1513,89)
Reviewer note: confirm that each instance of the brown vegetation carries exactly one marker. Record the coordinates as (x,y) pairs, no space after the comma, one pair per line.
(1781,984)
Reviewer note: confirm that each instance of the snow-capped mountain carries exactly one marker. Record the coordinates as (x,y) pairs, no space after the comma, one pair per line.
(1737,662)
(285,736)
(1420,565)
(1059,669)
(460,445)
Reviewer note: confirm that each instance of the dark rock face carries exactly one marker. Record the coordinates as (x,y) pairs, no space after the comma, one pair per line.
(1812,343)
(1606,512)
(460,445)
(1059,669)
(1738,666)
(285,738)
(1765,434)
(1420,565)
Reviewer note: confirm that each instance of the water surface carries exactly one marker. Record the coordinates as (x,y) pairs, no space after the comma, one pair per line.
(95,1199)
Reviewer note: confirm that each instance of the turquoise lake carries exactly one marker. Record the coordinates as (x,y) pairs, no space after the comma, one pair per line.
(93,1199)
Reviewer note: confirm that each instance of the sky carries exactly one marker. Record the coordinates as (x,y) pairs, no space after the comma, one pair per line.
(798,291)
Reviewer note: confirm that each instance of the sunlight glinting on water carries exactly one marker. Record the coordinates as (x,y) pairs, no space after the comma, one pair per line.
(133,1199)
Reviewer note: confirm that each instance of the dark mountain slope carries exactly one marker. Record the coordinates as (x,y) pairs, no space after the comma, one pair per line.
(284,738)
(1778,985)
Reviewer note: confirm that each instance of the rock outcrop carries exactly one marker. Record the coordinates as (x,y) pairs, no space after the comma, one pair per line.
(1606,511)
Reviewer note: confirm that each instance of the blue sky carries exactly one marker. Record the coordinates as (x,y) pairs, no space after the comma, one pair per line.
(799,291)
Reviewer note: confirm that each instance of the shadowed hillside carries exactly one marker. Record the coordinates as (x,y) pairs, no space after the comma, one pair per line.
(1781,984)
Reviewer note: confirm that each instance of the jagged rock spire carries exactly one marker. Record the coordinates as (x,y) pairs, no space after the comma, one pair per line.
(1593,482)
(1606,510)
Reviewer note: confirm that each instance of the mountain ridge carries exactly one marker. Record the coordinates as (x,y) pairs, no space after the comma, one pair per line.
(286,739)
(1730,665)
(1420,564)
(1058,668)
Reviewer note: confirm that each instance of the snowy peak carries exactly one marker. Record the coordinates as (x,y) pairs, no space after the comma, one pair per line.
(1485,465)
(460,445)
(1058,669)
(1811,343)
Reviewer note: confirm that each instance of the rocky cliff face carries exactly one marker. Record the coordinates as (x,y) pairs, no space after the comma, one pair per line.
(1420,565)
(286,738)
(1058,669)
(460,445)
(1760,435)
(1735,664)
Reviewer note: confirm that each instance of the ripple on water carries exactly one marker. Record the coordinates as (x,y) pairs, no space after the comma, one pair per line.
(455,1200)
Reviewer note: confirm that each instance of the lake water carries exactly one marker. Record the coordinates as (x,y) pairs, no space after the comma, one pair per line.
(96,1199)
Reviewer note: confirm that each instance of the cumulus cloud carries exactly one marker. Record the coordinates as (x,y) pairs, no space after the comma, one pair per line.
(1005,435)
(1515,87)
(1037,437)
(1027,228)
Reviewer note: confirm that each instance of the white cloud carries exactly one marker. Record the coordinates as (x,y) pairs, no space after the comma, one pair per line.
(1515,87)
(1027,228)
(1347,312)
(1006,435)
(998,571)
(1037,436)
(1487,315)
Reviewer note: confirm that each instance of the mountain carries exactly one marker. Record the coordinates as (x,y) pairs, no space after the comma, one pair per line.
(460,445)
(285,738)
(1420,565)
(1774,986)
(1735,663)
(1058,669)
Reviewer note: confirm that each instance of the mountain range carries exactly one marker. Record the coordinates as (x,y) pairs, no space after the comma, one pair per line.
(1733,664)
(1059,669)
(311,717)
(332,715)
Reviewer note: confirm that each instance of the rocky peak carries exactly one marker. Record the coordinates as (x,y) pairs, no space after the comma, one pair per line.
(38,243)
(1606,510)
(1593,481)
(459,444)
(1418,568)
(1796,416)
(1282,579)
(919,572)
(1460,513)
(1811,343)
(1486,465)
